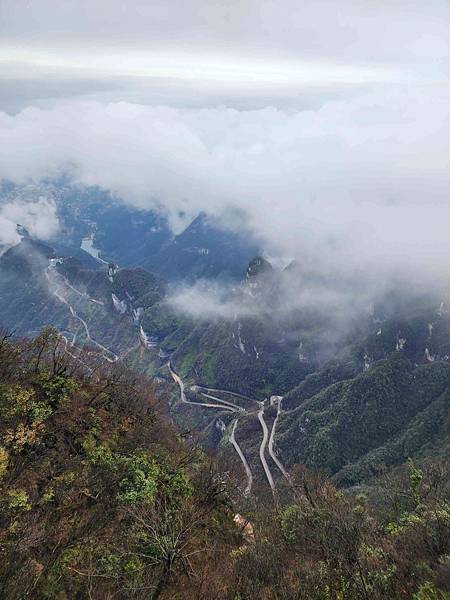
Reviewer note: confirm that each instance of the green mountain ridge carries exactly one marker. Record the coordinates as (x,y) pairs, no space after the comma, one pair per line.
(356,427)
(351,407)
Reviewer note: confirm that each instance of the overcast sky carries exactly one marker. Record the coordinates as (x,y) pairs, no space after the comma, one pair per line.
(147,50)
(326,122)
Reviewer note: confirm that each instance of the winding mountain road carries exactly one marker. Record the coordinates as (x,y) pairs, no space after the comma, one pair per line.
(196,388)
(225,406)
(225,402)
(268,441)
(82,294)
(183,398)
(274,457)
(56,280)
(262,448)
(54,284)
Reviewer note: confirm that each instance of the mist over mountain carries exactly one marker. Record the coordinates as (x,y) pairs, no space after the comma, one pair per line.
(269,166)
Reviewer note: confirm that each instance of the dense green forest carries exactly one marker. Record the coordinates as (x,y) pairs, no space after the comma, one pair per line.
(358,425)
(101,498)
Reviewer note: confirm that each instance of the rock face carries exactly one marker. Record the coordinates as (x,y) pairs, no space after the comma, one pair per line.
(246,528)
(258,266)
(120,306)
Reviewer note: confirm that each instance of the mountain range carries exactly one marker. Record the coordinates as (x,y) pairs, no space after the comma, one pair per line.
(359,395)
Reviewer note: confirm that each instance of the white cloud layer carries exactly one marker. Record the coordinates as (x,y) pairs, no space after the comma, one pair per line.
(355,182)
(37,215)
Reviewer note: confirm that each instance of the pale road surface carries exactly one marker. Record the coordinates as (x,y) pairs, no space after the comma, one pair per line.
(82,294)
(76,316)
(232,438)
(270,446)
(100,303)
(239,408)
(238,449)
(196,388)
(183,398)
(262,448)
(234,408)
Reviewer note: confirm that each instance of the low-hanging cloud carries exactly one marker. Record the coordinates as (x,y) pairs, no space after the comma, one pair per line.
(293,295)
(38,214)
(357,182)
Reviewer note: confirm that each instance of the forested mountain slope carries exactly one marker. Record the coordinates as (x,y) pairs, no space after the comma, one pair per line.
(352,404)
(100,498)
(354,428)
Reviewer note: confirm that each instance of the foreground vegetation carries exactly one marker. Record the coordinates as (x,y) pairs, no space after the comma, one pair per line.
(100,498)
